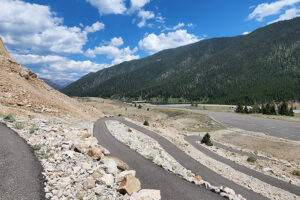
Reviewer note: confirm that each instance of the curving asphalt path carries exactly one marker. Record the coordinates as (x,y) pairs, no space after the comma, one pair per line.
(265,178)
(274,127)
(151,176)
(20,171)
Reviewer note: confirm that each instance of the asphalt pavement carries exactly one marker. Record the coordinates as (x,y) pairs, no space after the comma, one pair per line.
(20,171)
(152,176)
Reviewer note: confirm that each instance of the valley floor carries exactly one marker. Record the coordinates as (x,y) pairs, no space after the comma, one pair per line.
(277,157)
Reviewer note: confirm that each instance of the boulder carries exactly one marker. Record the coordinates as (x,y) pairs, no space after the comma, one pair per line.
(95,153)
(122,175)
(146,194)
(107,179)
(86,135)
(97,174)
(89,183)
(109,165)
(129,185)
(120,164)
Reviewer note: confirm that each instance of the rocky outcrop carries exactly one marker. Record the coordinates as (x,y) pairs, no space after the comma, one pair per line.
(3,50)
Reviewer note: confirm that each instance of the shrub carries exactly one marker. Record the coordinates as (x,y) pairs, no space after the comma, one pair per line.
(206,140)
(33,129)
(9,118)
(140,106)
(19,126)
(296,172)
(119,115)
(146,123)
(239,109)
(251,159)
(148,109)
(37,147)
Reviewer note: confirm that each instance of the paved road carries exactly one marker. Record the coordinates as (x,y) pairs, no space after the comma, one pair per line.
(265,178)
(20,171)
(152,176)
(277,128)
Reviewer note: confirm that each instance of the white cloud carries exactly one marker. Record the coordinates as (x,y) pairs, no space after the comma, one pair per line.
(116,42)
(153,43)
(267,9)
(95,27)
(288,14)
(109,6)
(112,51)
(245,33)
(180,25)
(144,15)
(58,67)
(34,27)
(137,4)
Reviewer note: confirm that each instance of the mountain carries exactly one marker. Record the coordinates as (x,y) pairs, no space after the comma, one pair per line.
(53,84)
(259,67)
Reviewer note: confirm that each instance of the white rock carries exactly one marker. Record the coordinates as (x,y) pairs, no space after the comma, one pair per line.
(110,165)
(228,191)
(146,194)
(107,179)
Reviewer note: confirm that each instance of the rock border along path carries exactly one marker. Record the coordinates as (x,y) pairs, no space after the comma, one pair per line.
(184,159)
(265,178)
(20,171)
(152,176)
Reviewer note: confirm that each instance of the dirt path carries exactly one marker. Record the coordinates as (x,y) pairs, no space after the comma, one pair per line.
(20,171)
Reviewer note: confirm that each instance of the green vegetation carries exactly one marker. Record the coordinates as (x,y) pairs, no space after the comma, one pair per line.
(37,147)
(284,110)
(19,126)
(146,123)
(140,106)
(296,172)
(269,109)
(33,129)
(263,66)
(251,159)
(206,140)
(9,118)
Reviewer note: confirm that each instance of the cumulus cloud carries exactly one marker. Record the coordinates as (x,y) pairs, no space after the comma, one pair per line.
(117,6)
(145,15)
(58,67)
(288,14)
(114,52)
(267,9)
(153,43)
(137,4)
(245,33)
(34,27)
(95,27)
(109,6)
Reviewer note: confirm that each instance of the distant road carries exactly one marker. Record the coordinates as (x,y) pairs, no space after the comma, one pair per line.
(274,127)
(152,176)
(20,171)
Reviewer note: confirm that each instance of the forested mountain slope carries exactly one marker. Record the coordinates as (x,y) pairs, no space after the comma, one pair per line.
(261,66)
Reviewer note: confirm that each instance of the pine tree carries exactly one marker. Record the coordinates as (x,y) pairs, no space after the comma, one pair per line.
(239,108)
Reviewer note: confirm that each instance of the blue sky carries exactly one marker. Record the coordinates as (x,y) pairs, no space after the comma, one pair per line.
(65,39)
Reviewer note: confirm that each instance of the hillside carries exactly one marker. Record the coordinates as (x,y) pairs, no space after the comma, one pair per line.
(261,66)
(23,92)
